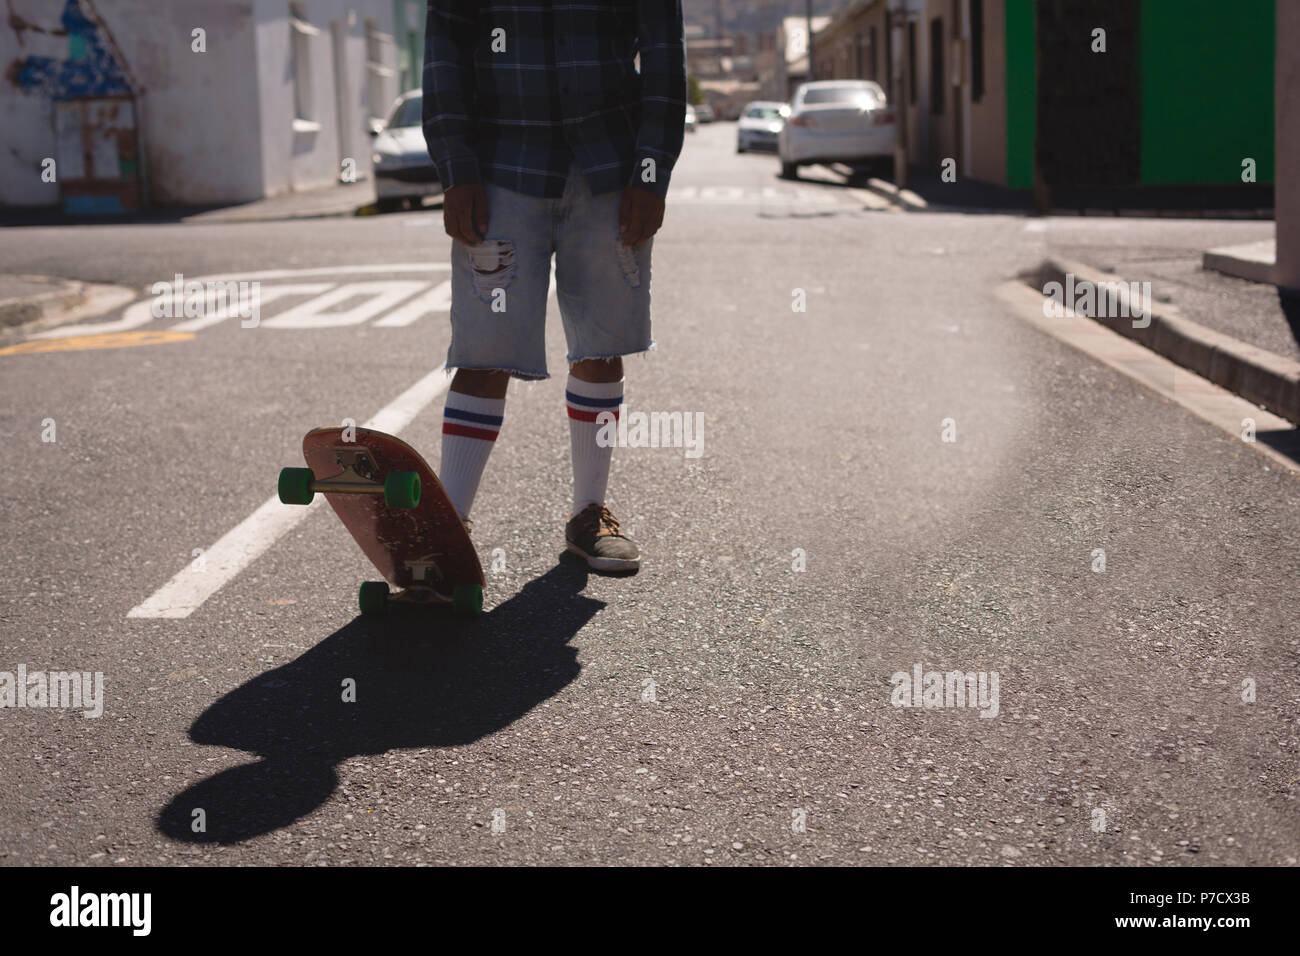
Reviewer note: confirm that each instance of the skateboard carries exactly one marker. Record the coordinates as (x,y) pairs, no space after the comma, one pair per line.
(397,511)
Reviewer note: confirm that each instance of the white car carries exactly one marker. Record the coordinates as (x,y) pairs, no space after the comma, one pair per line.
(837,121)
(760,124)
(404,173)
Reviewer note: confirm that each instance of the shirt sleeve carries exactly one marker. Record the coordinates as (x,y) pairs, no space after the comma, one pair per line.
(663,91)
(449,93)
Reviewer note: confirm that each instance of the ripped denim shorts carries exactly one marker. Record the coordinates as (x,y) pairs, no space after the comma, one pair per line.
(499,286)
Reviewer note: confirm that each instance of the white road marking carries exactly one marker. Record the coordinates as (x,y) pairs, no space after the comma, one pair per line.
(739,195)
(382,269)
(377,297)
(251,538)
(264,297)
(437,299)
(136,315)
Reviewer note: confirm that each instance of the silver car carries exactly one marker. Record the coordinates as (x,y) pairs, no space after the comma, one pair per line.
(759,125)
(403,170)
(837,121)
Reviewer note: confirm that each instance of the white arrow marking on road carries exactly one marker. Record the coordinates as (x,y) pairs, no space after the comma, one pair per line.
(247,541)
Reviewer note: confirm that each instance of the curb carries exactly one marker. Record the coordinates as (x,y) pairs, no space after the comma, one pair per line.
(1254,261)
(69,301)
(25,310)
(340,211)
(1257,375)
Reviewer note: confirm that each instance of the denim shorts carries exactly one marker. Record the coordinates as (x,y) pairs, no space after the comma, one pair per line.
(499,286)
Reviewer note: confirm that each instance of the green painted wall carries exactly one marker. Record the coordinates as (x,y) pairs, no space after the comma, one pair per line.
(1207,89)
(1022,92)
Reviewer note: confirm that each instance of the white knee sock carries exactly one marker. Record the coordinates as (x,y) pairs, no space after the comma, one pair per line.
(469,429)
(585,400)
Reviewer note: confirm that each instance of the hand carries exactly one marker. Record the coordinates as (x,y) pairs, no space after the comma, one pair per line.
(640,215)
(465,213)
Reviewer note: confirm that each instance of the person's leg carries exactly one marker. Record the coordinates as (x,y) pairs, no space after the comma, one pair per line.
(498,319)
(471,419)
(603,289)
(594,386)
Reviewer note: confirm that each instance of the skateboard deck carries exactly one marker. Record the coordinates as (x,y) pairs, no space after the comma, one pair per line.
(396,510)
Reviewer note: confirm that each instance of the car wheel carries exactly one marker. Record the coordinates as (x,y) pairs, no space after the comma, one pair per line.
(789,170)
(739,148)
(884,168)
(390,204)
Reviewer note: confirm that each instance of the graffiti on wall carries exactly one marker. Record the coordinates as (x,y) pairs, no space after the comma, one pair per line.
(93,102)
(91,67)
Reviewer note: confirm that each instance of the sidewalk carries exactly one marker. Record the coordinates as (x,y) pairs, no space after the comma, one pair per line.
(339,199)
(927,192)
(1252,312)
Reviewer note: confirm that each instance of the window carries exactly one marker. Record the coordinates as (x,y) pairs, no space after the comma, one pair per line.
(867,95)
(377,75)
(937,81)
(911,62)
(407,112)
(977,50)
(300,36)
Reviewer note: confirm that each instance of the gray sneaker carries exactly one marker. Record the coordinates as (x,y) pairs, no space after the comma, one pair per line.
(593,533)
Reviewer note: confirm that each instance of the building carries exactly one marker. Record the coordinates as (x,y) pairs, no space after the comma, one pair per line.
(1106,93)
(791,60)
(109,104)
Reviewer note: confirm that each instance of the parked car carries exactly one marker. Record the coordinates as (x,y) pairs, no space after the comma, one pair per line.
(704,113)
(403,170)
(690,118)
(837,121)
(760,125)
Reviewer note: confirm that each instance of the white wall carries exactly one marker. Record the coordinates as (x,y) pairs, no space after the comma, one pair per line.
(197,111)
(307,159)
(216,126)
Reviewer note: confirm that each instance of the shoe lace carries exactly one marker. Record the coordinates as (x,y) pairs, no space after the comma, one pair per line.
(603,519)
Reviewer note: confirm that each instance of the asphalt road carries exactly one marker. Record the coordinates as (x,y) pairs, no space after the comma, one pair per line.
(720,706)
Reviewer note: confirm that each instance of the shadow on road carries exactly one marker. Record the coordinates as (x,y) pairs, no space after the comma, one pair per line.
(423,679)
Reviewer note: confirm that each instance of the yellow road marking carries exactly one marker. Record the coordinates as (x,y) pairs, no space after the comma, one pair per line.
(108,340)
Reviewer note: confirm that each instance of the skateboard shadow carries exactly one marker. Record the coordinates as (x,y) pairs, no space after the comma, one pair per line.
(423,678)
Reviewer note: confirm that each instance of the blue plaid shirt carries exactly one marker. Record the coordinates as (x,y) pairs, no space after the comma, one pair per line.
(515,92)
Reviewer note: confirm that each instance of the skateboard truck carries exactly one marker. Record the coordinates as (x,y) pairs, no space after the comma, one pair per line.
(401,489)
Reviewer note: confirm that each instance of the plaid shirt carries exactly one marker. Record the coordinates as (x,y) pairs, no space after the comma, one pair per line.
(515,92)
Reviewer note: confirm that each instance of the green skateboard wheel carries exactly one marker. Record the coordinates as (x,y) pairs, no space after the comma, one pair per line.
(295,486)
(372,598)
(402,489)
(467,599)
